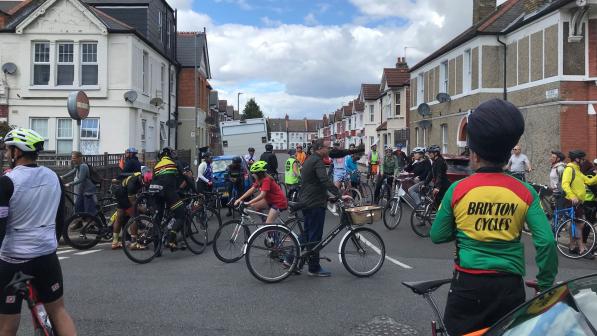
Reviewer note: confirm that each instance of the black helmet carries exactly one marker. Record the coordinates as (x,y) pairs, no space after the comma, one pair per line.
(206,155)
(269,147)
(576,154)
(236,160)
(559,155)
(251,149)
(167,151)
(433,149)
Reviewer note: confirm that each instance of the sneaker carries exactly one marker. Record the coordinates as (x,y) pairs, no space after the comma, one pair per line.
(320,273)
(116,245)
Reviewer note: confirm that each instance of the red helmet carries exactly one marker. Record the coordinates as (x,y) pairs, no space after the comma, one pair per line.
(147,177)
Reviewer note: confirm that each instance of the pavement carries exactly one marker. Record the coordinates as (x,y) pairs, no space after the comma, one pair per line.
(184,294)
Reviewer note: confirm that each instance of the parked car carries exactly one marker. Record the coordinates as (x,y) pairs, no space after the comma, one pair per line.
(458,167)
(218,166)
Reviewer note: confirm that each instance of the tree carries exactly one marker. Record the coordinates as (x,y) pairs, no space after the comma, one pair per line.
(252,110)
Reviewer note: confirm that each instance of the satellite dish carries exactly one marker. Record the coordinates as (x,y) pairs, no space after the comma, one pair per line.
(157,101)
(130,96)
(9,68)
(443,97)
(425,123)
(424,109)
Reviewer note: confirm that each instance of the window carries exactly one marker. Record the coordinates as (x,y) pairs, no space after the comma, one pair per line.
(145,72)
(398,103)
(65,69)
(385,139)
(41,63)
(444,138)
(163,81)
(163,135)
(371,113)
(421,86)
(443,74)
(371,141)
(143,129)
(89,63)
(172,82)
(418,141)
(64,135)
(168,32)
(424,137)
(40,125)
(90,129)
(467,69)
(161,27)
(388,107)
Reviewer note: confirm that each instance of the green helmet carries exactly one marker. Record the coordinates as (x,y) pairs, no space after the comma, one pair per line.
(259,166)
(24,139)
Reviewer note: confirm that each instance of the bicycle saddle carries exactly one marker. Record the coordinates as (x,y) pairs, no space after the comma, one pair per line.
(18,281)
(424,287)
(296,206)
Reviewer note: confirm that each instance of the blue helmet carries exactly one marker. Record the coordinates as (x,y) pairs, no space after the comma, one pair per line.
(132,150)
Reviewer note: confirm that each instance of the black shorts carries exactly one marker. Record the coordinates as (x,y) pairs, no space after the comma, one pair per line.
(48,281)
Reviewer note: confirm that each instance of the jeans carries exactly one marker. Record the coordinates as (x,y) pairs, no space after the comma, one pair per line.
(314,220)
(86,203)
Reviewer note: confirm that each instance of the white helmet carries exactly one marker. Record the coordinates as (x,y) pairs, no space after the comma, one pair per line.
(420,150)
(26,140)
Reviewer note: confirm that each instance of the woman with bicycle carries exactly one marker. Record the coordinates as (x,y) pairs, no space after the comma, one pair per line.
(270,194)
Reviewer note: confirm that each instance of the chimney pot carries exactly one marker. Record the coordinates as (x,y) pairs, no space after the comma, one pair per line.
(531,6)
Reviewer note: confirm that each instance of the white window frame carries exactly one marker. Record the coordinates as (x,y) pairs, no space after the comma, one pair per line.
(371,141)
(163,80)
(444,132)
(398,103)
(83,63)
(421,89)
(145,72)
(36,62)
(371,113)
(64,138)
(424,136)
(168,33)
(417,137)
(467,73)
(143,130)
(172,82)
(444,77)
(47,133)
(71,63)
(97,137)
(161,26)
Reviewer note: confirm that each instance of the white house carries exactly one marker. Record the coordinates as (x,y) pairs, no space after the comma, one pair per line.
(372,117)
(60,46)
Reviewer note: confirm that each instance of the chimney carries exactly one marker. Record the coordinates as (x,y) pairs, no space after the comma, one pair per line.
(482,9)
(286,122)
(402,65)
(531,6)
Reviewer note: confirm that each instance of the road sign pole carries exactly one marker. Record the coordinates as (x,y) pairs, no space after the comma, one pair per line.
(78,135)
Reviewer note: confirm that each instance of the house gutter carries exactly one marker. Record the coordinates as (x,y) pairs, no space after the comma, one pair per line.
(505,65)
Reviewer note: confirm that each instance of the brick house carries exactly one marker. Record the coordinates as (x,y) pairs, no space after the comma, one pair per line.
(394,90)
(534,53)
(368,97)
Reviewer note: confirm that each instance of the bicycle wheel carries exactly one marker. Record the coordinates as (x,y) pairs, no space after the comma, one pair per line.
(392,214)
(367,193)
(362,252)
(145,241)
(210,219)
(272,253)
(195,235)
(383,197)
(421,219)
(82,231)
(564,238)
(229,241)
(356,196)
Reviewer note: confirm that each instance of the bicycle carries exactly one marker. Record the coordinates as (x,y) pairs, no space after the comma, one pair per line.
(209,212)
(84,230)
(363,187)
(149,237)
(230,240)
(545,199)
(20,286)
(564,229)
(352,194)
(392,214)
(423,215)
(384,191)
(277,248)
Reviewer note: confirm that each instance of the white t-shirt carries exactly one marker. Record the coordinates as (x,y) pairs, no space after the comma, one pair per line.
(519,163)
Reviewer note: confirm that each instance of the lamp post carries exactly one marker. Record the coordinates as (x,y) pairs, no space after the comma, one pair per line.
(238,103)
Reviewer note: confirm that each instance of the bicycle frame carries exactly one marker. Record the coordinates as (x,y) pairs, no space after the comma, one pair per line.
(566,212)
(23,289)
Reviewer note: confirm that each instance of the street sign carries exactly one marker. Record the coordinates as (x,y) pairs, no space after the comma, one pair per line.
(78,105)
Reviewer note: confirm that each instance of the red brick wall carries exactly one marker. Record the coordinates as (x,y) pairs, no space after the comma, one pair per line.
(186,87)
(3,111)
(593,48)
(574,129)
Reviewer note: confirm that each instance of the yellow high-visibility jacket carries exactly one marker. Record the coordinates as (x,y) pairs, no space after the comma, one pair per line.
(574,182)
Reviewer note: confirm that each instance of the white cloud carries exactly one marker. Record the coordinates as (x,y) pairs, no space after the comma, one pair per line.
(320,67)
(311,20)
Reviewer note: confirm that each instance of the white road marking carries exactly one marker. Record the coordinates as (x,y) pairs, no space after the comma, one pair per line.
(390,259)
(86,252)
(103,244)
(64,251)
(61,258)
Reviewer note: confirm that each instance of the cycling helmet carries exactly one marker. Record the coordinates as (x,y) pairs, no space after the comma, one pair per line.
(236,160)
(251,149)
(419,150)
(167,151)
(269,147)
(205,155)
(576,154)
(292,152)
(26,140)
(259,166)
(433,149)
(132,150)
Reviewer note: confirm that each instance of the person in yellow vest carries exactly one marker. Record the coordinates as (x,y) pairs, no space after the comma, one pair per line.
(373,161)
(292,173)
(300,155)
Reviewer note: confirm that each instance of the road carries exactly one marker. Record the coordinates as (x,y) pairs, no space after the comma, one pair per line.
(183,294)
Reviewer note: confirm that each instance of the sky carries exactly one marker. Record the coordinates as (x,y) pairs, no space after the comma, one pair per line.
(305,58)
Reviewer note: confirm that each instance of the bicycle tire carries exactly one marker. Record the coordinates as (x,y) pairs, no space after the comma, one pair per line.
(88,234)
(420,219)
(361,245)
(194,235)
(148,235)
(562,236)
(227,239)
(284,245)
(392,214)
(212,219)
(356,196)
(382,201)
(367,193)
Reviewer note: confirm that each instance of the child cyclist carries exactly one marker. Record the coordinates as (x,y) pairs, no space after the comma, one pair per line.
(270,194)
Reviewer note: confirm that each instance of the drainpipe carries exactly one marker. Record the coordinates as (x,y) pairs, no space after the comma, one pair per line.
(505,65)
(176,79)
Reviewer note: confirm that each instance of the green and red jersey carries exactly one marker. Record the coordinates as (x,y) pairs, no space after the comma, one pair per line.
(485,214)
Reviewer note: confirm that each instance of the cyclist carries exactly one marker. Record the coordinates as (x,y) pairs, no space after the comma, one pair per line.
(484,214)
(84,188)
(270,194)
(555,176)
(387,171)
(131,163)
(438,178)
(235,176)
(301,156)
(125,194)
(350,161)
(403,160)
(31,213)
(519,164)
(272,161)
(574,184)
(205,174)
(166,174)
(292,173)
(339,170)
(250,158)
(373,161)
(420,168)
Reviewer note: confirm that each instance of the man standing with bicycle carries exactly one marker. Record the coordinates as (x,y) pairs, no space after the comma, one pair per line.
(31,210)
(485,214)
(389,167)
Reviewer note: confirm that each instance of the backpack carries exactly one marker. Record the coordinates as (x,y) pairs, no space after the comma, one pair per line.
(93,175)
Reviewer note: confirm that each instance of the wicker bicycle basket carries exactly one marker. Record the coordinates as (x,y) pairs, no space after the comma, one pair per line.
(364,214)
